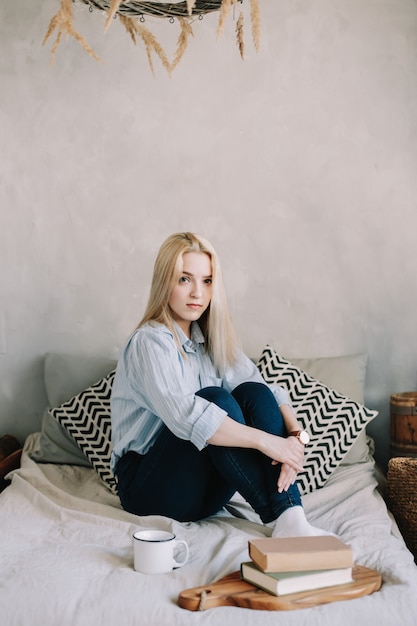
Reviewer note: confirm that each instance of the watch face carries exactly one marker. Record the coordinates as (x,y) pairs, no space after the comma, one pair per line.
(304,437)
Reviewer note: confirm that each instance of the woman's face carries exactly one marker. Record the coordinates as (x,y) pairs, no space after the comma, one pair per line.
(192,294)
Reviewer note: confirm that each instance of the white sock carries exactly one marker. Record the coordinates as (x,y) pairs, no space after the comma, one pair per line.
(293,523)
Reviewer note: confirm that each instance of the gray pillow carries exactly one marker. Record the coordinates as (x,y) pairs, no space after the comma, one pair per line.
(56,445)
(65,376)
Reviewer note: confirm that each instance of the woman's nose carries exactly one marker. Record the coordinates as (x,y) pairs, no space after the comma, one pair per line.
(196,290)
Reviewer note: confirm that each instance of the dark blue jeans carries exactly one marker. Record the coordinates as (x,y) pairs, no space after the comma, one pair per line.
(177,480)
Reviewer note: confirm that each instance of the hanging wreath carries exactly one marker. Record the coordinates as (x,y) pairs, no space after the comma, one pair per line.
(132,15)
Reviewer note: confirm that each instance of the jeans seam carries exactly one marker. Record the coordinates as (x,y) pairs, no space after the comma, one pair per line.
(266,510)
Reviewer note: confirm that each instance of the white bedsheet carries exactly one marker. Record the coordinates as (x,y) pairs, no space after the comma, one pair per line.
(66,555)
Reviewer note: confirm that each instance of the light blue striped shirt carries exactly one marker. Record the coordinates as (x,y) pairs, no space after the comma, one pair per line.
(156,384)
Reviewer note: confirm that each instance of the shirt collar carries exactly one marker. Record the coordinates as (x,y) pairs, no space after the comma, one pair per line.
(197,337)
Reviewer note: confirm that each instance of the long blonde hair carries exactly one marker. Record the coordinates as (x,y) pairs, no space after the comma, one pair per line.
(216,324)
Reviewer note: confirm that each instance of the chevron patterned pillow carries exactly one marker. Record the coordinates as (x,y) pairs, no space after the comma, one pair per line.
(332,420)
(87,419)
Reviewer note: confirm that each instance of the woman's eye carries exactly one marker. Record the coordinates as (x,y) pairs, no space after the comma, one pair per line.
(208,281)
(183,279)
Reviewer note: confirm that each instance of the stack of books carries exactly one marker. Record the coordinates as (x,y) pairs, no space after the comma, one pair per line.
(290,565)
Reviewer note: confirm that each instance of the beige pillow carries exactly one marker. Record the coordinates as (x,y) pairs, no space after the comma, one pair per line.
(346,374)
(333,420)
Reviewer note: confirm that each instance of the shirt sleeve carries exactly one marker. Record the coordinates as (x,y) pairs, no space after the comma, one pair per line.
(246,371)
(158,383)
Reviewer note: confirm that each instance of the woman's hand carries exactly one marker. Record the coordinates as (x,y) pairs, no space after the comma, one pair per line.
(286,478)
(285,450)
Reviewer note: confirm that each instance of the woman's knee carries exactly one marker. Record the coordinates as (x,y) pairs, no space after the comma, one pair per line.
(260,407)
(252,391)
(223,399)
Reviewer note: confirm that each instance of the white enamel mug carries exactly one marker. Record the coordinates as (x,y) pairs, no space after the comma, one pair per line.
(154,551)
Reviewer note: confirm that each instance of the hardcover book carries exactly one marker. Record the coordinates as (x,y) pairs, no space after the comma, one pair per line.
(282,583)
(292,554)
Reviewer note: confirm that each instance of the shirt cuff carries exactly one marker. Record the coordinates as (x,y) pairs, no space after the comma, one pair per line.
(209,421)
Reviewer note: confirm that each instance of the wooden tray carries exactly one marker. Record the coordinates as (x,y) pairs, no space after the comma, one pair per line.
(233,591)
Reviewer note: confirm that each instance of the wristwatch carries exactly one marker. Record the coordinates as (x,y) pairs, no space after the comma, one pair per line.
(302,436)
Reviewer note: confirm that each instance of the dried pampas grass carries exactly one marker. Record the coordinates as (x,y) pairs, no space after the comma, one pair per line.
(185,34)
(239,35)
(114,7)
(131,15)
(134,28)
(62,22)
(190,6)
(255,13)
(224,12)
(151,44)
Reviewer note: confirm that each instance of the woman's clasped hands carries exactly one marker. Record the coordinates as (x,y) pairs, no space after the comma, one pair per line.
(290,453)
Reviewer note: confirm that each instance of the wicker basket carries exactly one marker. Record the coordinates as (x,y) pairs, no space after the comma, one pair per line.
(402,498)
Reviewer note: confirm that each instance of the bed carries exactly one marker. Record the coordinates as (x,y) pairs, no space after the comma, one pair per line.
(66,543)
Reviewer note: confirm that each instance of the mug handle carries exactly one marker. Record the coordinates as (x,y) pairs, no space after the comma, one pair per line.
(187,551)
